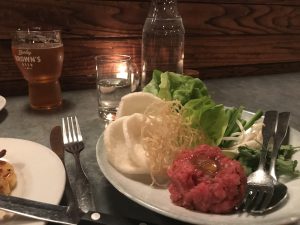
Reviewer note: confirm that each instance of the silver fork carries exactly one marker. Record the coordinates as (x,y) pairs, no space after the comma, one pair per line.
(282,128)
(280,189)
(73,143)
(260,185)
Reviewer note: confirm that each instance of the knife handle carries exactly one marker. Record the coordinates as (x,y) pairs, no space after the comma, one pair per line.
(106,219)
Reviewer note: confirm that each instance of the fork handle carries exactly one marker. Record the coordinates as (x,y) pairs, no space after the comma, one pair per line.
(267,133)
(82,188)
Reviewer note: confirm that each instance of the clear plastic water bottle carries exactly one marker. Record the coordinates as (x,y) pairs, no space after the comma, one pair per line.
(163,40)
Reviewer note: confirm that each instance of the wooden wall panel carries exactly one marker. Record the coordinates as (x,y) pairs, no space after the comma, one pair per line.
(223,38)
(93,19)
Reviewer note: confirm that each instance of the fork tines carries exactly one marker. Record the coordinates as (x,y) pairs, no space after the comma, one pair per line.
(71,130)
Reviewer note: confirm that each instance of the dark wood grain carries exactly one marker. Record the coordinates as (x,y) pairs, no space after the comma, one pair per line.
(223,38)
(199,52)
(258,2)
(92,19)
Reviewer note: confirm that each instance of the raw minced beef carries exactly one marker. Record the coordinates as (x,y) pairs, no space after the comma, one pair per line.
(205,180)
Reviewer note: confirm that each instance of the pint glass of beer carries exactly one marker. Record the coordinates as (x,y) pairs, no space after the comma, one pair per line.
(39,56)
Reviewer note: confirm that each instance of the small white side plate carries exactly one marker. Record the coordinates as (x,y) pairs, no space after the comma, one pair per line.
(2,102)
(40,175)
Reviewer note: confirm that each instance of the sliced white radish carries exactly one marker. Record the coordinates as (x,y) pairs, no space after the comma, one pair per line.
(135,102)
(132,127)
(117,150)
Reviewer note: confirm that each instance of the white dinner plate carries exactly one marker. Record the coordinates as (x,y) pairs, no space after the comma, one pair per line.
(40,174)
(2,102)
(159,201)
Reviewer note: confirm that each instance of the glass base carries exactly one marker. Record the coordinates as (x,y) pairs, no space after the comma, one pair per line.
(45,96)
(107,114)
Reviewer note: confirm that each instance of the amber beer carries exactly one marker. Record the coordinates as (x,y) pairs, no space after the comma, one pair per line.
(41,65)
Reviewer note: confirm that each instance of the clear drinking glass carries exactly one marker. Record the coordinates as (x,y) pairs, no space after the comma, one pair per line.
(39,56)
(116,76)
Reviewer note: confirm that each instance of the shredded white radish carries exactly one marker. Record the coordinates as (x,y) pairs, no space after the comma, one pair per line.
(250,138)
(164,135)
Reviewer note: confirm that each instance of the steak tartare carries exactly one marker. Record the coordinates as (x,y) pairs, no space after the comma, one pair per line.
(205,180)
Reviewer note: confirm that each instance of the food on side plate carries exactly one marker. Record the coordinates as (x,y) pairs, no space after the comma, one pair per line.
(205,180)
(8,179)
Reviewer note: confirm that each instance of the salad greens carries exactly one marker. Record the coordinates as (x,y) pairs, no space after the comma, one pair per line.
(215,120)
(204,114)
(173,86)
(249,158)
(235,114)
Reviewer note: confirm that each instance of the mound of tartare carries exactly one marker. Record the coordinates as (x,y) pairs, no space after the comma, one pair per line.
(205,180)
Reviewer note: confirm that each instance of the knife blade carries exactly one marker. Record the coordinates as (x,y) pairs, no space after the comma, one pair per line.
(56,142)
(36,210)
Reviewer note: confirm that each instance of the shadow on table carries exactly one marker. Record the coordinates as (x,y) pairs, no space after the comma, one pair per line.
(115,203)
(119,205)
(3,115)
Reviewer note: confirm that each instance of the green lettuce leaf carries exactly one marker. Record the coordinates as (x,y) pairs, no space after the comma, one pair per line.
(174,86)
(214,122)
(153,86)
(204,114)
(200,110)
(164,87)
